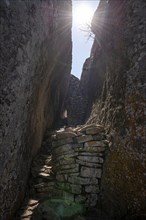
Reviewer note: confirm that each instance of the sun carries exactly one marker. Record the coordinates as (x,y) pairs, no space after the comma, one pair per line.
(82,14)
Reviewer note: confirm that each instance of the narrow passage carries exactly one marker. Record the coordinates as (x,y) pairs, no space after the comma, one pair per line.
(67,171)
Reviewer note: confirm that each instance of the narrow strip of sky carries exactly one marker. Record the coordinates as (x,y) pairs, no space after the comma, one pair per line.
(82,15)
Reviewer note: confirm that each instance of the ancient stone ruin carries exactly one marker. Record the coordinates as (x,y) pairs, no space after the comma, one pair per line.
(77,159)
(70,171)
(94,167)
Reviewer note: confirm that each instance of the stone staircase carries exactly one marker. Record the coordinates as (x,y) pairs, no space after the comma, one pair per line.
(68,166)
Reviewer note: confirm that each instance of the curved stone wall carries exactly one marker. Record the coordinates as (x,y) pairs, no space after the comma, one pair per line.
(77,159)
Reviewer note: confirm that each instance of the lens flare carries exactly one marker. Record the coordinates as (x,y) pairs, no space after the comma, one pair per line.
(82,14)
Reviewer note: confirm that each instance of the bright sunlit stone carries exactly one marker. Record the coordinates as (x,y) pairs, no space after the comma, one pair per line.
(82,15)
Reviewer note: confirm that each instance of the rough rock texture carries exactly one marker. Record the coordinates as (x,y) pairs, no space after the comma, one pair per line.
(74,102)
(70,173)
(119,55)
(86,90)
(35,43)
(79,98)
(77,161)
(81,93)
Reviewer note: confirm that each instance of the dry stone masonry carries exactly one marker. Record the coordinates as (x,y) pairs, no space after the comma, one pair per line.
(77,159)
(36,56)
(68,169)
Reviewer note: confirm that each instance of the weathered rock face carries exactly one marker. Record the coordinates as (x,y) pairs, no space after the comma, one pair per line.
(80,96)
(82,93)
(70,175)
(74,102)
(119,56)
(71,103)
(86,89)
(35,65)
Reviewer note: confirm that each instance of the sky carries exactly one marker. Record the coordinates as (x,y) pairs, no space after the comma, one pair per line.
(82,15)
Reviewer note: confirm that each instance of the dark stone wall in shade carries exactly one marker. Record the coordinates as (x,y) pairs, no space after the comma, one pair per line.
(117,78)
(35,63)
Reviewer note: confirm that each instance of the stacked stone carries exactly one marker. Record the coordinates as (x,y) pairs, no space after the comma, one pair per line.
(77,158)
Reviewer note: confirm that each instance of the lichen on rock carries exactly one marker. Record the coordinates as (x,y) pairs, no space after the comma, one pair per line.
(118,55)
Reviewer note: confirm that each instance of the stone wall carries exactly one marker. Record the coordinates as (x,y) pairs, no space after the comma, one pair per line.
(35,63)
(119,55)
(77,160)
